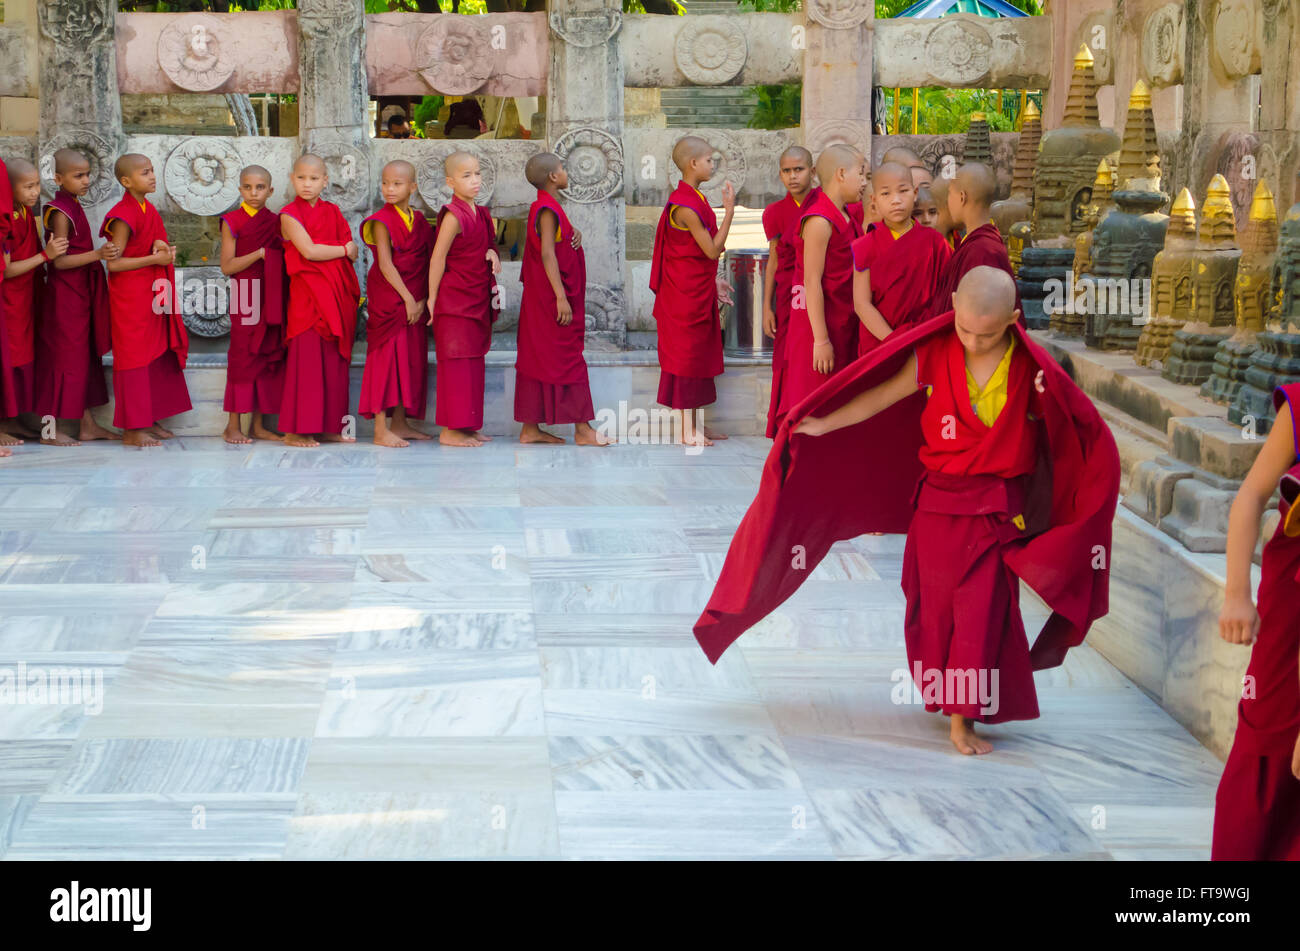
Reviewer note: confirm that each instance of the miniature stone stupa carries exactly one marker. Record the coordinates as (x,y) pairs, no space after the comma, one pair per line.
(1020,206)
(1171,283)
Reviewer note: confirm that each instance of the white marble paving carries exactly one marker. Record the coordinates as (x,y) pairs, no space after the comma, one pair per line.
(354,653)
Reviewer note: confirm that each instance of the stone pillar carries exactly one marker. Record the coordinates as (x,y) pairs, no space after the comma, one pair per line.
(584,126)
(837,74)
(19,73)
(80,106)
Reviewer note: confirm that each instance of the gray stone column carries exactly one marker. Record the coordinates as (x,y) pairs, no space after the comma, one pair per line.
(837,74)
(80,106)
(584,126)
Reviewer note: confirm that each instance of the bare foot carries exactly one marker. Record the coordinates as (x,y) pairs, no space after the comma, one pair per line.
(259,431)
(482,437)
(60,439)
(161,431)
(711,434)
(696,438)
(15,427)
(336,437)
(299,441)
(963,737)
(390,439)
(235,435)
(402,428)
(585,435)
(532,433)
(8,440)
(139,437)
(91,430)
(458,437)
(5,452)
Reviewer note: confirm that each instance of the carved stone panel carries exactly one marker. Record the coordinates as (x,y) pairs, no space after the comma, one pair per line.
(1234,38)
(97,151)
(585,30)
(959,51)
(195,52)
(75,23)
(456,53)
(962,50)
(729,163)
(205,301)
(348,167)
(594,160)
(835,131)
(202,175)
(604,308)
(710,50)
(1163,41)
(839,14)
(432,181)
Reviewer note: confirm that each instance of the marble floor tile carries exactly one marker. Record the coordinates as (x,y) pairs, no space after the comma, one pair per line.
(589,712)
(651,670)
(182,766)
(353,765)
(1155,825)
(605,541)
(13,812)
(485,569)
(28,765)
(632,629)
(657,763)
(398,629)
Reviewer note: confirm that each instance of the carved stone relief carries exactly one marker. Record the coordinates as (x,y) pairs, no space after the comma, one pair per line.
(97,151)
(839,14)
(457,53)
(958,52)
(1233,39)
(594,160)
(202,175)
(432,181)
(194,52)
(1163,41)
(710,50)
(75,23)
(728,162)
(833,131)
(585,30)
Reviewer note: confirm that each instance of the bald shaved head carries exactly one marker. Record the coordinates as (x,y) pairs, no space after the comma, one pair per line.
(400,167)
(456,161)
(65,160)
(903,156)
(834,158)
(986,292)
(689,148)
(797,152)
(979,184)
(308,160)
(19,169)
(540,167)
(129,164)
(891,171)
(255,171)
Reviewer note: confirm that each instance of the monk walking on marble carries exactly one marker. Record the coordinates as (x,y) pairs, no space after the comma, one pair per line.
(463,303)
(321,324)
(970,202)
(20,298)
(1004,473)
(551,384)
(823,325)
(780,220)
(252,256)
(150,343)
(396,376)
(687,287)
(74,331)
(1257,809)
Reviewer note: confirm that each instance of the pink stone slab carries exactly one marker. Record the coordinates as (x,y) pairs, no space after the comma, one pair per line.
(264,48)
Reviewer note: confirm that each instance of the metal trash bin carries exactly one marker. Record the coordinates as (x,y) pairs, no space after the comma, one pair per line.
(742,320)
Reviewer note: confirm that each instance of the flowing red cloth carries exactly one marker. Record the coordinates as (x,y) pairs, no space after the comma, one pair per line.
(255,361)
(837,296)
(323,295)
(904,273)
(144,303)
(144,395)
(553,403)
(315,386)
(8,394)
(464,312)
(397,352)
(857,212)
(684,282)
(19,299)
(819,490)
(1257,808)
(686,392)
(780,220)
(983,247)
(74,330)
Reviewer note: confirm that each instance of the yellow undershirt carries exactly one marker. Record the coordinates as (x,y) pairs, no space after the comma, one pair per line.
(248,209)
(407,216)
(672,215)
(989,401)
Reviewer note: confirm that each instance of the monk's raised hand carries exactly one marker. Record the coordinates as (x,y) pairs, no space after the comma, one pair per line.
(576,240)
(1238,621)
(495,260)
(56,247)
(728,196)
(563,311)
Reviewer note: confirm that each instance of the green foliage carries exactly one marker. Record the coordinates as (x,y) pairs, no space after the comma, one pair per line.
(948,110)
(426,111)
(777,107)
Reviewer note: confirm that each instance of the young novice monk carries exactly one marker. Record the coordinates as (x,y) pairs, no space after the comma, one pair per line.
(321,324)
(463,303)
(943,223)
(74,330)
(823,326)
(1018,481)
(970,199)
(896,264)
(1257,809)
(550,373)
(24,281)
(926,210)
(396,376)
(252,255)
(686,284)
(150,343)
(780,220)
(8,396)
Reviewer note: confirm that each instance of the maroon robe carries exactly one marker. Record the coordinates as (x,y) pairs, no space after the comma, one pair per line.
(19,299)
(1257,808)
(8,392)
(684,282)
(983,247)
(819,490)
(904,272)
(255,360)
(150,343)
(464,311)
(321,324)
(74,331)
(837,296)
(551,384)
(780,220)
(397,352)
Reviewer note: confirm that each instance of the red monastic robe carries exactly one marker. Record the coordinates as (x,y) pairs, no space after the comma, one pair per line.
(21,296)
(320,325)
(150,343)
(857,212)
(684,282)
(904,274)
(1257,808)
(464,312)
(74,330)
(397,352)
(837,295)
(819,490)
(551,384)
(255,362)
(8,392)
(983,247)
(780,221)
